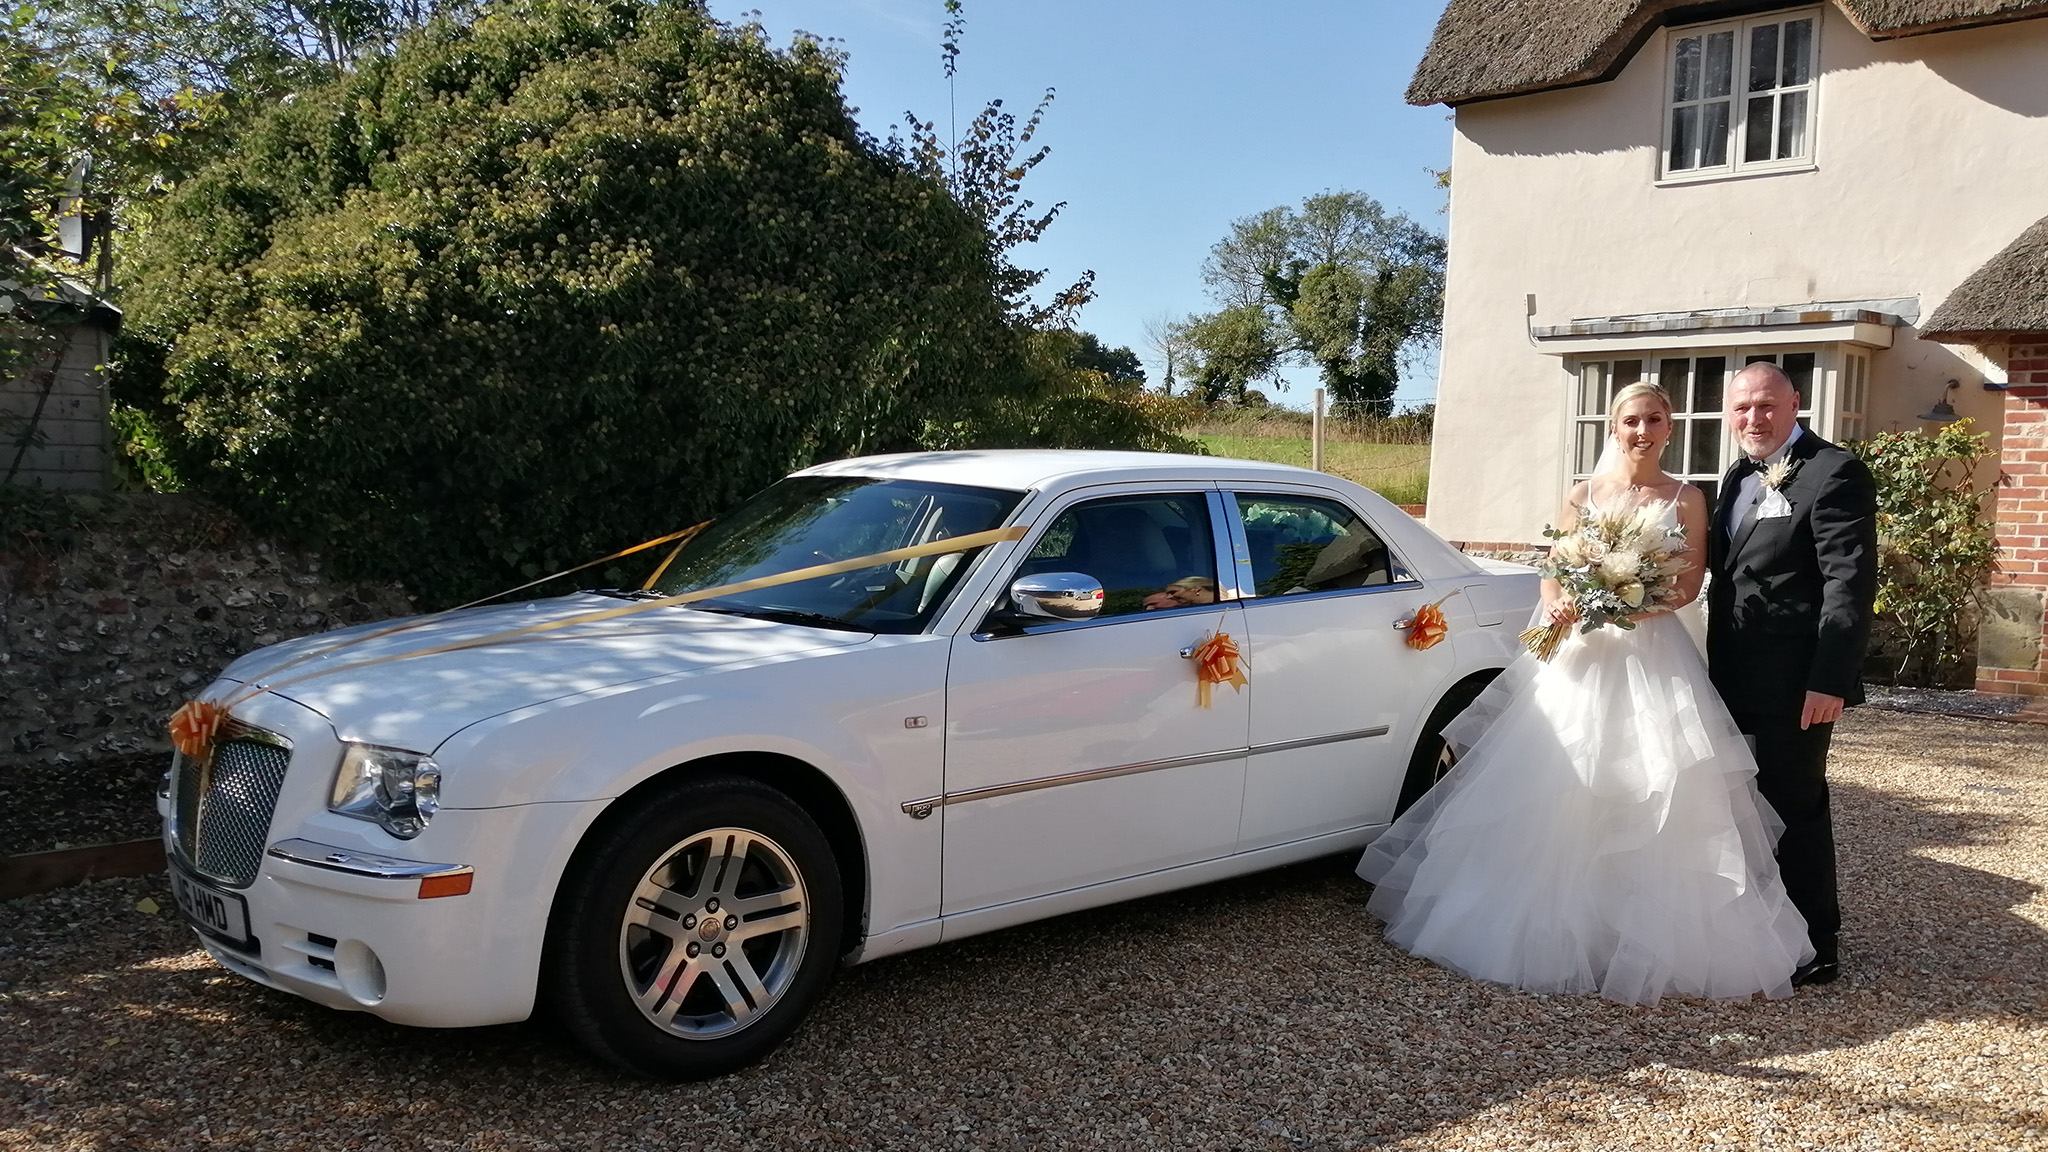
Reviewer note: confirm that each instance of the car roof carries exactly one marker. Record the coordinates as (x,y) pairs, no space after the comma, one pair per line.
(1036,468)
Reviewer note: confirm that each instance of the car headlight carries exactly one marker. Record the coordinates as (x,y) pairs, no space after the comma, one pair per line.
(399,790)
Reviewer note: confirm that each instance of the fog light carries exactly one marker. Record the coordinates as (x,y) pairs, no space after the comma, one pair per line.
(360,972)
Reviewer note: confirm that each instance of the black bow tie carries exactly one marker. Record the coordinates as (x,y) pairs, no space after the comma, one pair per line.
(1743,467)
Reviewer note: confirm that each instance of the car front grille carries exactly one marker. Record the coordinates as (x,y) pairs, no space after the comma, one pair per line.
(221,811)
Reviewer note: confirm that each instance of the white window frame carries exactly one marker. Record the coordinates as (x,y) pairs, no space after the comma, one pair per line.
(1836,381)
(1739,99)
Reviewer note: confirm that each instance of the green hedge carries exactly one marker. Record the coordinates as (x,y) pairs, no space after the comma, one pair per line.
(528,290)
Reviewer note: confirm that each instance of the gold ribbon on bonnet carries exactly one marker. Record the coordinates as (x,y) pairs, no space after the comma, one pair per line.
(195,725)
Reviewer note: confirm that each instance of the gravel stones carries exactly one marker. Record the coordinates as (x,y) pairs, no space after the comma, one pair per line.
(1261,1013)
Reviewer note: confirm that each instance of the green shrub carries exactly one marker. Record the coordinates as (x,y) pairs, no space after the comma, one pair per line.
(535,288)
(1935,547)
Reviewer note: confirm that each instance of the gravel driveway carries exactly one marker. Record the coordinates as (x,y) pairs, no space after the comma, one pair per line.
(1259,1013)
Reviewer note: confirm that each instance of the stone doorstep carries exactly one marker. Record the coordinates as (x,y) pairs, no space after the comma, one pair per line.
(34,872)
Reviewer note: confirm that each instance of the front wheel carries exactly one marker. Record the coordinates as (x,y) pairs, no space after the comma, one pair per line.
(699,932)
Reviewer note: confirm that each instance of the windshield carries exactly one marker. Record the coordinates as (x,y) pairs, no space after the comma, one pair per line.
(809,520)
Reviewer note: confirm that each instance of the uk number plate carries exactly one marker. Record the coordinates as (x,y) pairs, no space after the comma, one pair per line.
(212,911)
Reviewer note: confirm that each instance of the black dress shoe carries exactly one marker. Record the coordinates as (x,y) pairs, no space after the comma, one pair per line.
(1822,969)
(1815,972)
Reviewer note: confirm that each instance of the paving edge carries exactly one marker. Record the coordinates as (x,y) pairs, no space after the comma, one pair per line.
(34,872)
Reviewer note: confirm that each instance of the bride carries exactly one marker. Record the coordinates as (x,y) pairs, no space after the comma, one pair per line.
(1602,830)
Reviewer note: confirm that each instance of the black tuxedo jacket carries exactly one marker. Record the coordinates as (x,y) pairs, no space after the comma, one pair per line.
(1789,606)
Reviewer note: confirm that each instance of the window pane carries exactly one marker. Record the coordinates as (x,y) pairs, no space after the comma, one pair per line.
(1799,366)
(1756,133)
(1714,134)
(1626,372)
(1591,437)
(1673,459)
(1763,57)
(1792,125)
(1593,389)
(1301,544)
(1675,376)
(1705,455)
(1709,488)
(1685,70)
(1147,552)
(1685,138)
(1761,358)
(1720,64)
(1709,373)
(1798,52)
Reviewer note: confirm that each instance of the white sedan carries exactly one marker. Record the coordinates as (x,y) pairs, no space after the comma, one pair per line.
(671,826)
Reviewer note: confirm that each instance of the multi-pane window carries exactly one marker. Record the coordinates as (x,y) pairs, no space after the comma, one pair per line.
(1699,449)
(1853,396)
(1741,95)
(1695,384)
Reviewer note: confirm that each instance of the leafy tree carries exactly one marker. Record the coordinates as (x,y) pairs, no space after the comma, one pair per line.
(562,278)
(1077,395)
(1338,284)
(1935,548)
(1117,365)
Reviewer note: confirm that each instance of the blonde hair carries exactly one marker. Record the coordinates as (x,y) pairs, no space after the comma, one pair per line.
(1631,392)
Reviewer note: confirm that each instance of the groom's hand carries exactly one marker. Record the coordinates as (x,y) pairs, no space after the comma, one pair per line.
(1821,708)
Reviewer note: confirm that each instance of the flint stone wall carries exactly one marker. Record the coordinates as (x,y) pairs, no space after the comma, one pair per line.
(99,643)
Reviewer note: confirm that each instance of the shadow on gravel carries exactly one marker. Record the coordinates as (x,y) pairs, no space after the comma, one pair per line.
(1264,1012)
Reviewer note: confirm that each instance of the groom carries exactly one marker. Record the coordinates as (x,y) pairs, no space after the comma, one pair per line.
(1793,555)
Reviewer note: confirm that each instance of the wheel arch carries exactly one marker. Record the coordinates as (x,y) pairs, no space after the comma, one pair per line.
(805,785)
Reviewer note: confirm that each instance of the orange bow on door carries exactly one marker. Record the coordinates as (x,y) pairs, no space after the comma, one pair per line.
(1428,627)
(1217,661)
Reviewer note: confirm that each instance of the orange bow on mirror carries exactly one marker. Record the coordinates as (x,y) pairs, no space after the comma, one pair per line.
(194,726)
(1217,661)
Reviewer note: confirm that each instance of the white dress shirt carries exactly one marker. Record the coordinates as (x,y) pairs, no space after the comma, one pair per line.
(1750,489)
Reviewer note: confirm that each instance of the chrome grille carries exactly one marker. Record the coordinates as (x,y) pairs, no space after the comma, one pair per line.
(222,811)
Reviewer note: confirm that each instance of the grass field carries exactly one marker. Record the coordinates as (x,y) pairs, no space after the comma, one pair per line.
(1400,472)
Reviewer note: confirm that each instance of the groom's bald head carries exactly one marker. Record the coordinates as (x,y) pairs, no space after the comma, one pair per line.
(1763,408)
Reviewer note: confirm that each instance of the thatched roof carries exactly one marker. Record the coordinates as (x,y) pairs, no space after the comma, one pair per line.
(1486,49)
(2009,294)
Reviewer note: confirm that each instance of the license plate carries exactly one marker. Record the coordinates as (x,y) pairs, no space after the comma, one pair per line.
(212,911)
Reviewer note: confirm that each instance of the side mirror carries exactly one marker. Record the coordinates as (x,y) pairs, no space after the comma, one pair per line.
(1056,596)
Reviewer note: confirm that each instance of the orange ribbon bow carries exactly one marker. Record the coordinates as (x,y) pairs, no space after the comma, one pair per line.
(194,726)
(1428,628)
(1217,661)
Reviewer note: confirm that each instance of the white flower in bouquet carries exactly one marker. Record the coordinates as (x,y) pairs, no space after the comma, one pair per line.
(1631,594)
(1568,552)
(1621,565)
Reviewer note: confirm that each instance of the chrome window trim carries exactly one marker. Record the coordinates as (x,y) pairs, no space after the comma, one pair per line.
(1240,557)
(922,807)
(359,863)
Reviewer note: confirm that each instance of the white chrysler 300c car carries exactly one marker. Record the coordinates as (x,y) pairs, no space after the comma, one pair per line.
(672,825)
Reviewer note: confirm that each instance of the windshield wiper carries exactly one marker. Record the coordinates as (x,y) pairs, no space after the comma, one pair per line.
(627,593)
(786,616)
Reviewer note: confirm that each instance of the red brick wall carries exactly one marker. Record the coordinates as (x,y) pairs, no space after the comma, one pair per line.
(2023,504)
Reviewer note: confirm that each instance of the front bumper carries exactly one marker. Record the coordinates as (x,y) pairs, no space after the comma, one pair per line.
(336,911)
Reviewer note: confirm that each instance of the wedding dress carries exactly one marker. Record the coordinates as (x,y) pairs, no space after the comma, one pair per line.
(1601,831)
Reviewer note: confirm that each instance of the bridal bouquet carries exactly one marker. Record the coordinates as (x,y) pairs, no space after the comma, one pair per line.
(1613,565)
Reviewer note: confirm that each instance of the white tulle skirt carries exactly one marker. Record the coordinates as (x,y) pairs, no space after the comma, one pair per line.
(1601,832)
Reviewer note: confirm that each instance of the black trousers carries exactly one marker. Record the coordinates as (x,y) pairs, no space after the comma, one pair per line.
(1791,773)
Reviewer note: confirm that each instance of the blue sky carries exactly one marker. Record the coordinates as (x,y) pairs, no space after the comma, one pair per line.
(1172,120)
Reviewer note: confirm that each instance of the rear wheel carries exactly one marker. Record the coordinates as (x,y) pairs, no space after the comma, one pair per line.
(699,932)
(1433,755)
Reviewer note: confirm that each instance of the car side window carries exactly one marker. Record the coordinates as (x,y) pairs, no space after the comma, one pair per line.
(1305,544)
(1148,552)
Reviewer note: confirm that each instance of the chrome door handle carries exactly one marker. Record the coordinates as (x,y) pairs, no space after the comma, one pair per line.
(1188,653)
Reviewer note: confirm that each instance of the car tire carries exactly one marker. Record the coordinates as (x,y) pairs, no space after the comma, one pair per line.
(1433,755)
(693,935)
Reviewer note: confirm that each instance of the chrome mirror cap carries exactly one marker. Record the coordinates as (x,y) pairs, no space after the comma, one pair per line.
(1057,596)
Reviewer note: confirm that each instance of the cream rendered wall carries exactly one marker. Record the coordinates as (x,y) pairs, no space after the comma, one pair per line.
(1931,154)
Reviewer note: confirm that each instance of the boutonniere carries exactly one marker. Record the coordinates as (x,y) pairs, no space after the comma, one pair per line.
(1776,474)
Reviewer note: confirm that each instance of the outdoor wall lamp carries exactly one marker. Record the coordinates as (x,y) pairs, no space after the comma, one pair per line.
(1943,412)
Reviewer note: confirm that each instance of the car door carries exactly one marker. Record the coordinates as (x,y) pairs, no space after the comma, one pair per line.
(1325,601)
(1075,751)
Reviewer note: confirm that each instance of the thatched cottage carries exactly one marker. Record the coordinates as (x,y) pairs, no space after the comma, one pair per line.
(1645,189)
